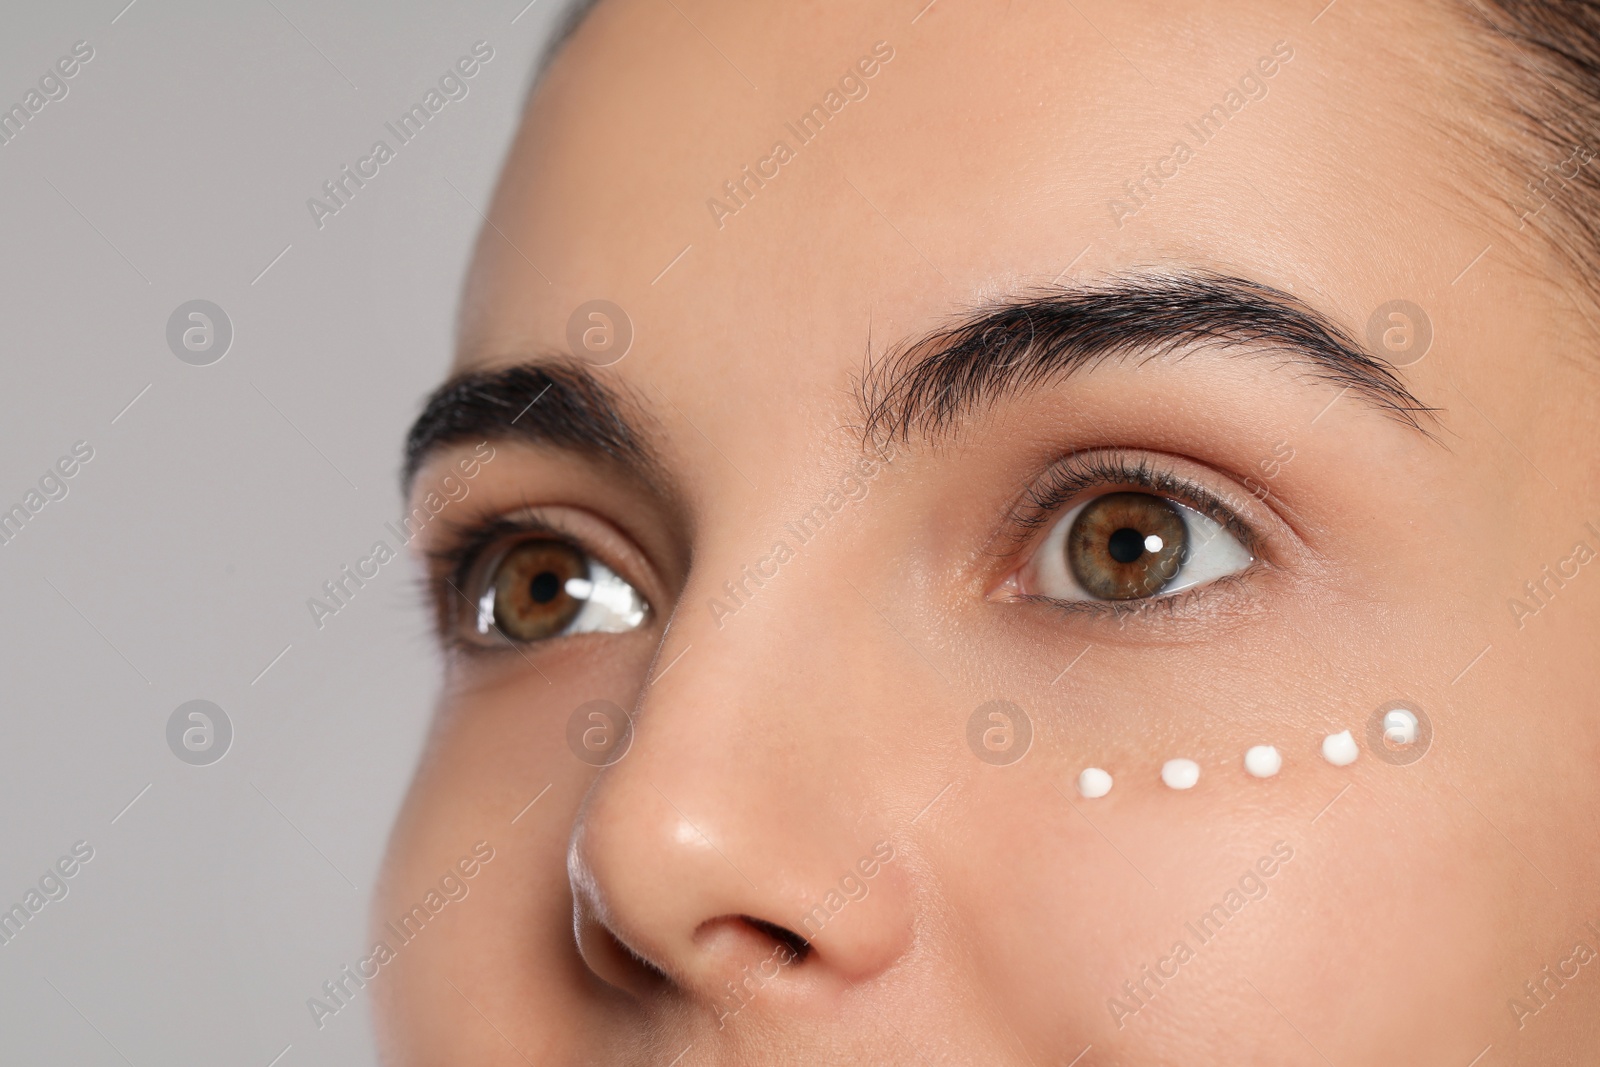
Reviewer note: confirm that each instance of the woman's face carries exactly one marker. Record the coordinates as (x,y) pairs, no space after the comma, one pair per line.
(729,606)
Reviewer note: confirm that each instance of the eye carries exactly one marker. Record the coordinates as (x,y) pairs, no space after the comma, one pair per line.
(1126,546)
(537,588)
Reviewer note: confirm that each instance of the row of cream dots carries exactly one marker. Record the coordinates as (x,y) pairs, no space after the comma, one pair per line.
(1262,761)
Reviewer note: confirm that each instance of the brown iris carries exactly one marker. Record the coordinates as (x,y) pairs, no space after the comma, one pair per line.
(530,589)
(1126,545)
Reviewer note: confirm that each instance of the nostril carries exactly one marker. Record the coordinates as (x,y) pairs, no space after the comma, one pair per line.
(728,947)
(738,949)
(783,936)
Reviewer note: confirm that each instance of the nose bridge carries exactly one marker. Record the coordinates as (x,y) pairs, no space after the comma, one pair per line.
(747,797)
(777,667)
(768,666)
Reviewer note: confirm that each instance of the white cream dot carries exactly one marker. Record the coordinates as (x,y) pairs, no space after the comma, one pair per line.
(1263,761)
(1180,773)
(1152,543)
(1093,783)
(1340,749)
(1399,727)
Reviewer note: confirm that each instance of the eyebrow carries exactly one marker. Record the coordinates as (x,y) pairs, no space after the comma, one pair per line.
(550,402)
(932,384)
(927,386)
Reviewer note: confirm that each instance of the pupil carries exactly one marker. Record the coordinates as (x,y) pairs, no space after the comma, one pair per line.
(1126,545)
(546,585)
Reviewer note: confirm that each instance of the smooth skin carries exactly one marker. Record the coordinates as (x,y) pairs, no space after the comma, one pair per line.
(776,746)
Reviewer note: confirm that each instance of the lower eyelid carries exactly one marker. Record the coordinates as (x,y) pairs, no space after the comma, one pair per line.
(1183,604)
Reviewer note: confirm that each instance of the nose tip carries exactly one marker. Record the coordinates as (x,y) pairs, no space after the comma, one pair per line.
(699,904)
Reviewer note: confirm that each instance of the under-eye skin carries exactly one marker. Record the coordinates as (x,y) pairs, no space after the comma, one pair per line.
(519,581)
(1124,532)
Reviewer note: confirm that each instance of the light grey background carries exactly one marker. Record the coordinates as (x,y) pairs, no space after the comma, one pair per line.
(180,563)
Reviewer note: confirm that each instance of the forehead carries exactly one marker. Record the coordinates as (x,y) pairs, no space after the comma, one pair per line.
(763,188)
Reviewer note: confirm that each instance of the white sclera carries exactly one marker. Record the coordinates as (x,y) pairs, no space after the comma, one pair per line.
(1399,727)
(1180,773)
(1340,749)
(1093,783)
(1263,761)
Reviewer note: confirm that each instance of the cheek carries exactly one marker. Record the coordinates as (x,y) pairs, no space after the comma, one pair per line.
(1408,899)
(1371,938)
(1074,923)
(499,742)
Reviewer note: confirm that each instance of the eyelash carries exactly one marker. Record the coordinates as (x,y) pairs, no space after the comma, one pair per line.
(464,548)
(1077,473)
(1044,500)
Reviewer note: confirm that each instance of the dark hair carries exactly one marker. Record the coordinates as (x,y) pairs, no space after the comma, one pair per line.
(1548,103)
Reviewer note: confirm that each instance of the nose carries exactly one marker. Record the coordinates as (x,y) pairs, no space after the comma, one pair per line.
(741,852)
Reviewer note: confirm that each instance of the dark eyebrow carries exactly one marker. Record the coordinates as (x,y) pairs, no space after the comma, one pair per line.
(929,385)
(551,402)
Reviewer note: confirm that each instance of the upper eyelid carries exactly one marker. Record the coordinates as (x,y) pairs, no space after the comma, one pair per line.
(1034,509)
(467,542)
(496,536)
